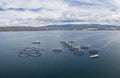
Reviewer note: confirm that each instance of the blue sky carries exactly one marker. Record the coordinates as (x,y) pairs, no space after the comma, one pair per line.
(47,12)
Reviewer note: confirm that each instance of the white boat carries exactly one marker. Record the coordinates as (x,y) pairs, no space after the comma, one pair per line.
(94,56)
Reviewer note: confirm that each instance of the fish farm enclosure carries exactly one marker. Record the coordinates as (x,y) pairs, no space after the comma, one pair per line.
(76,50)
(60,54)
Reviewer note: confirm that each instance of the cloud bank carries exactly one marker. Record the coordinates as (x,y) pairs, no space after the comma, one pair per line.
(46,12)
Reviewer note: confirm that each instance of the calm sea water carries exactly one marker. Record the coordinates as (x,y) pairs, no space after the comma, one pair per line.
(64,64)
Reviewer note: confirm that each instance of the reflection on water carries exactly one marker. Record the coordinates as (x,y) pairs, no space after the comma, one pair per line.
(64,64)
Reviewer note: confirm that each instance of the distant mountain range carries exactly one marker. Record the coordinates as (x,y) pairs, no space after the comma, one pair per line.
(62,27)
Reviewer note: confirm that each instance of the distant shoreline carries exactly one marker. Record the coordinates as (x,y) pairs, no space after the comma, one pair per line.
(52,30)
(86,27)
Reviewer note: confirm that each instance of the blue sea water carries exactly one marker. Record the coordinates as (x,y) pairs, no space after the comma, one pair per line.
(64,64)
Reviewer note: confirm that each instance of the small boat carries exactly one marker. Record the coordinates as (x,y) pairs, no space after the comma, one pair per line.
(94,56)
(36,42)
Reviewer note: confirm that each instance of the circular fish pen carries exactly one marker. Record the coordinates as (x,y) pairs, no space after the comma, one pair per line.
(73,49)
(71,42)
(33,48)
(27,49)
(68,46)
(23,53)
(57,50)
(30,52)
(63,42)
(78,53)
(84,47)
(35,54)
(93,51)
(41,49)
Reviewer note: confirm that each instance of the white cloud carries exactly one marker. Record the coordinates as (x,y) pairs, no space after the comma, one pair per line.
(43,12)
